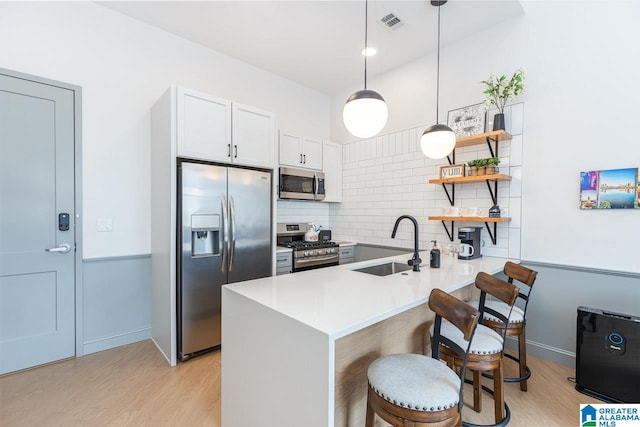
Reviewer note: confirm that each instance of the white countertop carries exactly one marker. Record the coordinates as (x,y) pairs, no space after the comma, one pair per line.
(339,301)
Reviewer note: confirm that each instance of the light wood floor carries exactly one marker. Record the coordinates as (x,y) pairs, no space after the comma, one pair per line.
(134,386)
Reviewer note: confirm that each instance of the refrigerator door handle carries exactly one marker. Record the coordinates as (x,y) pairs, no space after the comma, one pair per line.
(225,239)
(232,221)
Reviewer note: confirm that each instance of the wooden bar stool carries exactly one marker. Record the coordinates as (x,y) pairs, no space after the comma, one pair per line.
(486,349)
(517,319)
(417,390)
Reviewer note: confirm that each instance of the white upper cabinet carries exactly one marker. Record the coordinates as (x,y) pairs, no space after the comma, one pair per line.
(215,129)
(254,136)
(204,126)
(300,151)
(332,162)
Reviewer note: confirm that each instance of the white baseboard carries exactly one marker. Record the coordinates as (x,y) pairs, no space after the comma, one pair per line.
(115,341)
(544,351)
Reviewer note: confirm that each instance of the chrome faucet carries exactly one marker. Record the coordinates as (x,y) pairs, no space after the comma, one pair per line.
(415,261)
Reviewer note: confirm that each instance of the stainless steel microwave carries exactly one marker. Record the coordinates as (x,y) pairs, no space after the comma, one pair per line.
(301,184)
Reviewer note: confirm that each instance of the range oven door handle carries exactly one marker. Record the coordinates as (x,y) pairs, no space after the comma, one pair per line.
(316,261)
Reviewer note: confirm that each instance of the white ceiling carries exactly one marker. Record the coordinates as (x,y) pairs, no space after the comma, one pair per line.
(318,43)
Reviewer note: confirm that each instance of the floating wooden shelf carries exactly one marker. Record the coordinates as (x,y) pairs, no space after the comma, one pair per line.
(487,220)
(465,179)
(470,218)
(483,138)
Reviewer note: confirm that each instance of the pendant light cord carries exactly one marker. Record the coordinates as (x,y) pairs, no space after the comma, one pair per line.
(366,22)
(438,72)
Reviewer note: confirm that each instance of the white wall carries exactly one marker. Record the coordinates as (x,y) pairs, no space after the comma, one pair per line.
(581,104)
(123,66)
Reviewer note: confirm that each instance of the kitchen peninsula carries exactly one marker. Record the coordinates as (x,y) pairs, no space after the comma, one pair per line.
(295,348)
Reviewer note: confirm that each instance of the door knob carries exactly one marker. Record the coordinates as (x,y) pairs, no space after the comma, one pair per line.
(64,248)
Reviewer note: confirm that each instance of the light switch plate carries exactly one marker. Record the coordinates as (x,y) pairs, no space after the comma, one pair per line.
(105,224)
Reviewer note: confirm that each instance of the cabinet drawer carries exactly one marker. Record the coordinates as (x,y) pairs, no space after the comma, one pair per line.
(347,251)
(284,260)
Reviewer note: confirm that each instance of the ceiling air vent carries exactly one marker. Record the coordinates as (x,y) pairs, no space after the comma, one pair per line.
(392,21)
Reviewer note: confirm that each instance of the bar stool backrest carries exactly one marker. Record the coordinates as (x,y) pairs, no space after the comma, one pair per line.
(497,288)
(524,275)
(462,316)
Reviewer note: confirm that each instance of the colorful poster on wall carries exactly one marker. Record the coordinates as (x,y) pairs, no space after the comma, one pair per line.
(610,189)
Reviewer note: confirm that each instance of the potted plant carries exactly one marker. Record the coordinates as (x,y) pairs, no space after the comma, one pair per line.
(492,165)
(482,166)
(499,91)
(473,168)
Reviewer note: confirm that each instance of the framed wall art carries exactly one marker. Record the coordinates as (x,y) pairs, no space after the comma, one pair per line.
(467,120)
(610,189)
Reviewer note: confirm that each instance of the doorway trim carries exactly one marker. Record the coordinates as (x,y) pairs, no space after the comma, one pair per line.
(77,191)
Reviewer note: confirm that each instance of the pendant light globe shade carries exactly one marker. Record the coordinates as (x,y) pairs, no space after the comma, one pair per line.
(437,141)
(365,113)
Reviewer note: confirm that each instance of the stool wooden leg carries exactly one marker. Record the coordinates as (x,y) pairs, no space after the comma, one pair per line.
(522,356)
(498,393)
(477,391)
(370,415)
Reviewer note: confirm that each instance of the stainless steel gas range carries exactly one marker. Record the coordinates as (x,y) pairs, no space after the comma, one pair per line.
(307,255)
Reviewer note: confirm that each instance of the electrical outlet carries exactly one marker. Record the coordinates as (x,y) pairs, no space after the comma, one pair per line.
(105,224)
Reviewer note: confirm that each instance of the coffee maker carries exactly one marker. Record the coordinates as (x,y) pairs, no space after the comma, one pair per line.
(470,236)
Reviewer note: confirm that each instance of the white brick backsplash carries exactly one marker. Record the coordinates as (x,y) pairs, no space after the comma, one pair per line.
(387,176)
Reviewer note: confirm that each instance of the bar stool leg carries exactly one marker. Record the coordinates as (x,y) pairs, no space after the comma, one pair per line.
(498,393)
(477,391)
(370,415)
(522,356)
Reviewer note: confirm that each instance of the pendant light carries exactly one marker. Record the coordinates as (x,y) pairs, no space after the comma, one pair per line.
(438,140)
(365,112)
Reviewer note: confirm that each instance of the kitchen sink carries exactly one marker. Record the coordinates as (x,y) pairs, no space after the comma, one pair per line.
(384,269)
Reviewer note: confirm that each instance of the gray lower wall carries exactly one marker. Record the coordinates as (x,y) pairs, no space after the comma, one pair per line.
(558,292)
(116,302)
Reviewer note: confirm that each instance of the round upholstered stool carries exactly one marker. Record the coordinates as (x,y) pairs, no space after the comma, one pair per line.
(423,385)
(417,390)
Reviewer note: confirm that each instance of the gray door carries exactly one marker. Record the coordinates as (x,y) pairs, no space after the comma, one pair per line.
(37,287)
(250,222)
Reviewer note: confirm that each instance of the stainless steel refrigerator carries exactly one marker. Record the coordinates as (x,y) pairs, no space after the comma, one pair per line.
(224,229)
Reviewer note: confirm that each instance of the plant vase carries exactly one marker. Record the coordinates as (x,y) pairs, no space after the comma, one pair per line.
(498,121)
(473,171)
(491,170)
(482,170)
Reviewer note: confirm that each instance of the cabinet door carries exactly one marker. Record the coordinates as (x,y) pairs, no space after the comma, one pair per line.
(290,149)
(204,126)
(312,153)
(254,136)
(332,167)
